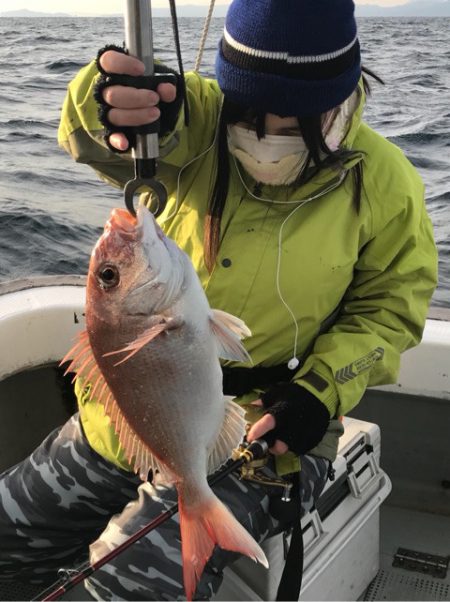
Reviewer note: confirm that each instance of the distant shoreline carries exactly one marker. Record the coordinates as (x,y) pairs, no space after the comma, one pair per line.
(119,16)
(414,8)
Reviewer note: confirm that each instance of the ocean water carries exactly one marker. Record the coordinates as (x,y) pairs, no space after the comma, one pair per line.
(52,210)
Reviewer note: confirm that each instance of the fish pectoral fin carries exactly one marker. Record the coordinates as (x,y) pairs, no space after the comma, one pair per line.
(228,331)
(165,324)
(230,436)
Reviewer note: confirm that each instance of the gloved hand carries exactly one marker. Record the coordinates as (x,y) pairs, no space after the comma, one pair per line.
(294,419)
(127,103)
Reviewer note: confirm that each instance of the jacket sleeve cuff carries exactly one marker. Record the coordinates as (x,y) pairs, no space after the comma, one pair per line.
(318,380)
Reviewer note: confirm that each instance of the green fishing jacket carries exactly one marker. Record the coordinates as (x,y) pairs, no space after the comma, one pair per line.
(358,284)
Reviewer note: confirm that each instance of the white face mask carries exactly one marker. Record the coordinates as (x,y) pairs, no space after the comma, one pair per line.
(277,160)
(274,160)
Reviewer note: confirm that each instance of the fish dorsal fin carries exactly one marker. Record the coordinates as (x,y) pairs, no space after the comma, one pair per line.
(139,456)
(230,436)
(228,331)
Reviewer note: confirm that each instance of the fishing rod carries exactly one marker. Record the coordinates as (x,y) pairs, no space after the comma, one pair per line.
(243,455)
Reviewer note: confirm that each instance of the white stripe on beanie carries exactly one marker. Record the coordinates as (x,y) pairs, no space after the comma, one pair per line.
(284,56)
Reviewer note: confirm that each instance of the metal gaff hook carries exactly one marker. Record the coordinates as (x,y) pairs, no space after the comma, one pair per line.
(133,186)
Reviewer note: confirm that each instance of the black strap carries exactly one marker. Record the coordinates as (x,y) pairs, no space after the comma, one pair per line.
(176,35)
(239,381)
(291,579)
(290,513)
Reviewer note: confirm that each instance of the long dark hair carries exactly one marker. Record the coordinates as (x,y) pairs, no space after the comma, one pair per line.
(319,157)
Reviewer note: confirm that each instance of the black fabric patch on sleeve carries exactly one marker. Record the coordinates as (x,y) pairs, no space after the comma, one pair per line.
(316,381)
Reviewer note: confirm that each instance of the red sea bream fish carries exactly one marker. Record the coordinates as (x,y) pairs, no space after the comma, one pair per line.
(151,352)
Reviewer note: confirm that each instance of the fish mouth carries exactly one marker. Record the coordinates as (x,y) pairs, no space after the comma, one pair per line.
(123,222)
(144,229)
(121,219)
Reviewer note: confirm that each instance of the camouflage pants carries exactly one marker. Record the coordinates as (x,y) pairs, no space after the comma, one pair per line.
(65,496)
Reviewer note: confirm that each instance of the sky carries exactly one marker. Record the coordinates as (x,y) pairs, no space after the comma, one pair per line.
(116,6)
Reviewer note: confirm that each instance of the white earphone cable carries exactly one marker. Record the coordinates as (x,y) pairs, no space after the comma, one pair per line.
(293,362)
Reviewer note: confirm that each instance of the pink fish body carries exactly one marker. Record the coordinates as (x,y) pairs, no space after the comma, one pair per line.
(151,351)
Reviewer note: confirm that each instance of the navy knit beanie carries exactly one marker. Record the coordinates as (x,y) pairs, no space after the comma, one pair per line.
(289,57)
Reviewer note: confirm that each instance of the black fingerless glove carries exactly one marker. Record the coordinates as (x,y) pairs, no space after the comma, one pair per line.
(301,419)
(169,110)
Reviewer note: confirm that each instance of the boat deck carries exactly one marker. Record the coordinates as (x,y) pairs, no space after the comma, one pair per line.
(415,453)
(417,531)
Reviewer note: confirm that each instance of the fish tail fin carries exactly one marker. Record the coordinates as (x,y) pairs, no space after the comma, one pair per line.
(209,524)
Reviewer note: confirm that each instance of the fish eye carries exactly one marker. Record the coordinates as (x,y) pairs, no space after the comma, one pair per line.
(108,276)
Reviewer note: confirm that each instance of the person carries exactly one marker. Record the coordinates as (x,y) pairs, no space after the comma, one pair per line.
(299,219)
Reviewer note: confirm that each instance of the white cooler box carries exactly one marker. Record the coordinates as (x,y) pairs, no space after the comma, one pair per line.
(341,536)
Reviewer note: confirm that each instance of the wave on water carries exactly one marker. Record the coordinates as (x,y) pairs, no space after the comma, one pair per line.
(417,138)
(28,123)
(5,98)
(39,178)
(42,83)
(40,239)
(32,137)
(49,39)
(63,66)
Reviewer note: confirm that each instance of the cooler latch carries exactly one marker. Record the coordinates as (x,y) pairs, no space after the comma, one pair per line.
(362,471)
